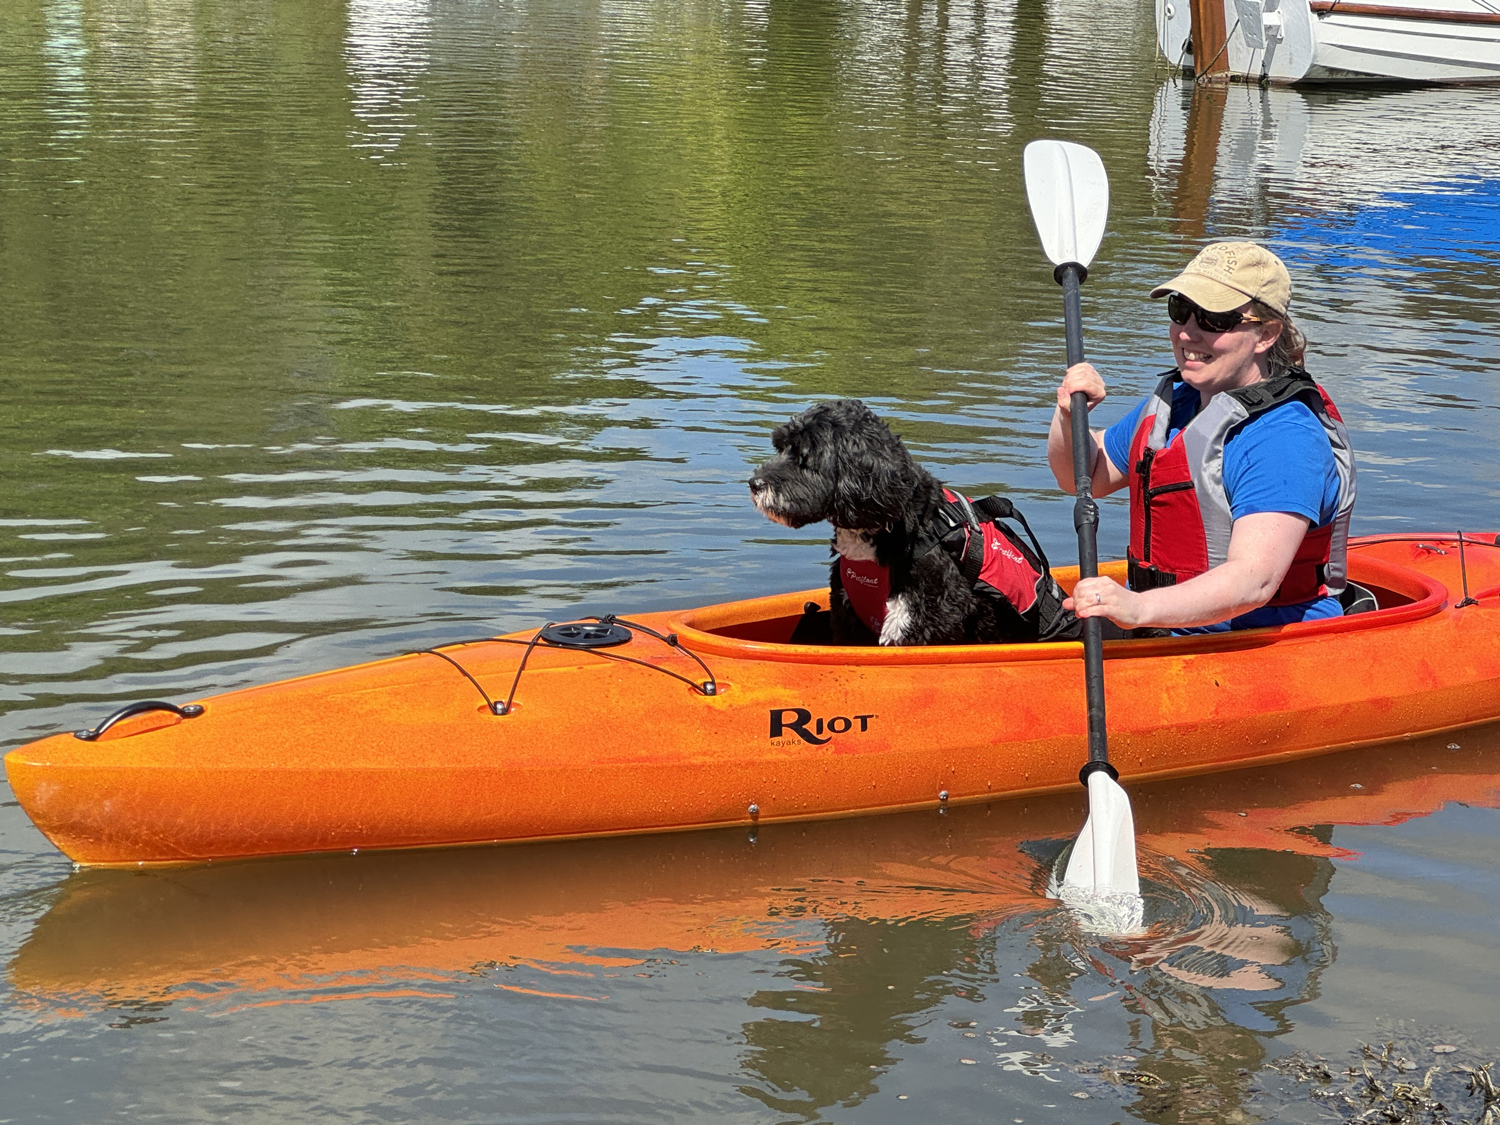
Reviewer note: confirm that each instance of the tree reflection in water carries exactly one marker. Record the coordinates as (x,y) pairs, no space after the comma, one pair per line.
(839,1025)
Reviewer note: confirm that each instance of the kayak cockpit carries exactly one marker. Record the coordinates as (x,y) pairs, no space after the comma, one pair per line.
(1400,580)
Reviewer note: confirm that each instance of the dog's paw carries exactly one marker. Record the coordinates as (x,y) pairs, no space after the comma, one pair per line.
(899,619)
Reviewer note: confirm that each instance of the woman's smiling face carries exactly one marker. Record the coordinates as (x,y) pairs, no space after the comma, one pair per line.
(1211,362)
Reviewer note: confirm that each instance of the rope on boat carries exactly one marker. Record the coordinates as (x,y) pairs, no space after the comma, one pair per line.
(711,687)
(1463,562)
(1203,77)
(434,652)
(1371,540)
(708,687)
(525,656)
(1463,572)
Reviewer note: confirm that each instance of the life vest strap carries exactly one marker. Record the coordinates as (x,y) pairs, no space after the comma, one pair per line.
(1146,577)
(1293,383)
(958,511)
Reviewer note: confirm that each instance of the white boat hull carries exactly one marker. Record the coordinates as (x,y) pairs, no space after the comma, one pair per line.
(1174,33)
(1302,41)
(1362,47)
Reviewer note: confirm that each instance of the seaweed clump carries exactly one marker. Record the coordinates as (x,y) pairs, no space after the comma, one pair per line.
(1385,1088)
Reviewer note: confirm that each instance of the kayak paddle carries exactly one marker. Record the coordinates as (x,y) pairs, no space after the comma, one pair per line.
(1069,195)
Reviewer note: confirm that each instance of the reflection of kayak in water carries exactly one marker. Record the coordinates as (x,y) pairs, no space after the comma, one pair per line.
(337,926)
(342,923)
(733,725)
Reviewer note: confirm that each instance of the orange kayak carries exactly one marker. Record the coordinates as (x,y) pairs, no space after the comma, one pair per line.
(711,717)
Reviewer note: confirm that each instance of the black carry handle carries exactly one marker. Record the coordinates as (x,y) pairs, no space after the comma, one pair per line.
(188,711)
(1086,522)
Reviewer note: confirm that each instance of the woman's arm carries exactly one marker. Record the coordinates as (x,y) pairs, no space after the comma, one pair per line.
(1105,477)
(1261,549)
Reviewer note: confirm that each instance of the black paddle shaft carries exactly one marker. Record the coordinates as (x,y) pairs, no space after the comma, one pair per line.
(1085,517)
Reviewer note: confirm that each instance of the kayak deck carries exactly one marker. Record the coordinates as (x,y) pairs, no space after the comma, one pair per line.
(411,751)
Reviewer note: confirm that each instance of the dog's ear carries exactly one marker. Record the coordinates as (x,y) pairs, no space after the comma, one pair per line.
(806,429)
(875,477)
(782,435)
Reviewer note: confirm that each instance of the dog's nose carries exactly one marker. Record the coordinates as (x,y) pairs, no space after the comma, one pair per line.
(757,486)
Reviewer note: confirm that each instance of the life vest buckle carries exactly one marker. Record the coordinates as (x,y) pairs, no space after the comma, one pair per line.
(1150,577)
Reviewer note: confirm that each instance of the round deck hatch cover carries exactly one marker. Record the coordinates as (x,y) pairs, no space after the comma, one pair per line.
(586,634)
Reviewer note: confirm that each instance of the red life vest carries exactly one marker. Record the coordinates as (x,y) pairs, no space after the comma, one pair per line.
(867,585)
(988,553)
(1180,517)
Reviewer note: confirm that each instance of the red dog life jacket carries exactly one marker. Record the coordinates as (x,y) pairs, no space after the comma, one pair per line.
(988,553)
(867,584)
(1180,517)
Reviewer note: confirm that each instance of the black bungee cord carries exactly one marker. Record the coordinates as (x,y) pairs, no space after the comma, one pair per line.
(490,703)
(708,687)
(1463,573)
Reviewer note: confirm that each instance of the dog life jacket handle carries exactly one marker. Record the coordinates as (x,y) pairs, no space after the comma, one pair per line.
(963,512)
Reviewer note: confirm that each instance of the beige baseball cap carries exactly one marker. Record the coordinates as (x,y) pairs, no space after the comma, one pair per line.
(1227,274)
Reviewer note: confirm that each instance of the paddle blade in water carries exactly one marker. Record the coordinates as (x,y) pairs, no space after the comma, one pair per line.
(1103,859)
(1069,195)
(1102,885)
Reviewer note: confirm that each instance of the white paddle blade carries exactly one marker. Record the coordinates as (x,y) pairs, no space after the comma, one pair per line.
(1103,860)
(1102,887)
(1069,195)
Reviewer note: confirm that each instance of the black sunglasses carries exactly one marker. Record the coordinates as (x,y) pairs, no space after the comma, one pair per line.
(1179,308)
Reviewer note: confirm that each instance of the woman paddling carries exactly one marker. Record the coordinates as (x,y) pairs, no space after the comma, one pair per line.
(1240,472)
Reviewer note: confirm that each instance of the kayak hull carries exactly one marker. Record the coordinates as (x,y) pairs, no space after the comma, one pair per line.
(409,752)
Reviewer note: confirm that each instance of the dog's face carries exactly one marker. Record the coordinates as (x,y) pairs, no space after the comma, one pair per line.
(836,461)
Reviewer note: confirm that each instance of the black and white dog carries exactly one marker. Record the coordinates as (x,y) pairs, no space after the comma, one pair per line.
(909,568)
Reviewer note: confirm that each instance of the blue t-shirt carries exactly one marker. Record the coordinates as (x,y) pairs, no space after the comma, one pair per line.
(1280,461)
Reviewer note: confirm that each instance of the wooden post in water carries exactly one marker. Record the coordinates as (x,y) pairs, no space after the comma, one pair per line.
(1209,38)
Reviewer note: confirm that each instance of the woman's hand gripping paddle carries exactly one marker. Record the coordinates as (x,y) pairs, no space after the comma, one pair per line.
(1069,195)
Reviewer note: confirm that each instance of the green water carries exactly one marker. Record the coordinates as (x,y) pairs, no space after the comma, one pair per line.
(332,330)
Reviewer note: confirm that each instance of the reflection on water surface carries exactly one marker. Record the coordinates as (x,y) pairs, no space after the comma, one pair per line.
(340,329)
